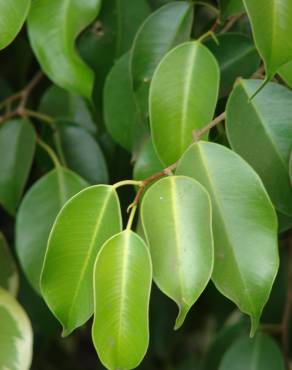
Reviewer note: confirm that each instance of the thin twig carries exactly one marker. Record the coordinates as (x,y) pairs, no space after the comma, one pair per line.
(231,21)
(197,134)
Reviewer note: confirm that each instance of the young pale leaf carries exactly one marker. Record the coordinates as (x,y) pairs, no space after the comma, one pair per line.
(82,226)
(121,114)
(122,283)
(259,353)
(272,37)
(82,153)
(12,17)
(36,216)
(53,26)
(260,131)
(183,101)
(176,216)
(237,57)
(15,334)
(8,270)
(244,225)
(17,146)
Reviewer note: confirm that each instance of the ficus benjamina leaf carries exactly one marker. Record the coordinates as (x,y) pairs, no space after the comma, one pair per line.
(53,26)
(260,131)
(244,225)
(12,17)
(122,283)
(183,101)
(8,271)
(15,335)
(229,8)
(85,222)
(176,216)
(272,37)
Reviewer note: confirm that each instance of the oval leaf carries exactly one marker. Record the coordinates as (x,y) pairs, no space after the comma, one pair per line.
(53,26)
(176,216)
(259,353)
(15,334)
(36,216)
(260,131)
(8,270)
(17,146)
(272,37)
(244,225)
(12,17)
(183,101)
(122,283)
(83,225)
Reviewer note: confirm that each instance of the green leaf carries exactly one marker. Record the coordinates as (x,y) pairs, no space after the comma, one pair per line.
(53,26)
(8,270)
(83,225)
(244,225)
(228,8)
(286,73)
(122,283)
(61,104)
(147,162)
(12,17)
(15,334)
(82,153)
(272,37)
(17,147)
(259,353)
(36,216)
(183,101)
(237,57)
(260,131)
(121,114)
(181,244)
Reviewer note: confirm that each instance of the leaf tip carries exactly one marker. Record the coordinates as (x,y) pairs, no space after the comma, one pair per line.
(183,310)
(66,332)
(254,325)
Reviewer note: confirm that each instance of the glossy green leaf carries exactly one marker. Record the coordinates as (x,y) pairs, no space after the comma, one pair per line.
(147,162)
(83,154)
(286,73)
(121,114)
(260,131)
(83,225)
(181,244)
(17,146)
(272,36)
(8,269)
(236,56)
(15,334)
(61,104)
(122,283)
(244,225)
(259,353)
(183,101)
(228,8)
(36,216)
(53,26)
(12,17)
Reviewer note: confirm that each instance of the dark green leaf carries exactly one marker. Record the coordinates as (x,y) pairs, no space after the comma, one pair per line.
(229,8)
(8,270)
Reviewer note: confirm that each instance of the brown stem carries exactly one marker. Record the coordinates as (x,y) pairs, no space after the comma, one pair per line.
(231,21)
(197,134)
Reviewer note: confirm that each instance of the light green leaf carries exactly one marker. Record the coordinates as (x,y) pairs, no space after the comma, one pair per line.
(82,153)
(237,57)
(121,114)
(176,216)
(122,283)
(259,353)
(53,26)
(83,225)
(183,101)
(17,146)
(272,36)
(8,270)
(15,334)
(61,104)
(228,8)
(36,216)
(285,73)
(12,17)
(260,131)
(244,225)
